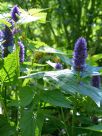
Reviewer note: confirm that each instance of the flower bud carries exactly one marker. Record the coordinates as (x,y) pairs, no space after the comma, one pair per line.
(96,80)
(22,51)
(15,13)
(58,66)
(7,37)
(80,54)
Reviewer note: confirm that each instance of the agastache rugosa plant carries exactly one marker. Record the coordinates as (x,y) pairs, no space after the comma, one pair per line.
(15,13)
(96,80)
(8,37)
(22,51)
(58,66)
(80,54)
(1,35)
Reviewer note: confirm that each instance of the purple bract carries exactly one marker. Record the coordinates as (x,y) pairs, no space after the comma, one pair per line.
(96,80)
(22,51)
(80,54)
(7,37)
(58,66)
(15,13)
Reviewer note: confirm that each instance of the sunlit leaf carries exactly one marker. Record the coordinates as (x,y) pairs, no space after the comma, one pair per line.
(55,98)
(47,49)
(3,21)
(26,17)
(9,69)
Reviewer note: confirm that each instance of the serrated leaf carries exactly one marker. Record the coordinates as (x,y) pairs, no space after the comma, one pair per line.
(71,85)
(8,72)
(55,98)
(68,83)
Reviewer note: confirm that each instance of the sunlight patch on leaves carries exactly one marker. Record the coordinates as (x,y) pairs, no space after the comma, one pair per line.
(8,72)
(27,17)
(47,49)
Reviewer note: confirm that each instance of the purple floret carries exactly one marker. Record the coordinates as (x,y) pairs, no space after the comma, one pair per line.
(96,80)
(80,54)
(22,51)
(7,37)
(15,31)
(1,35)
(58,66)
(15,13)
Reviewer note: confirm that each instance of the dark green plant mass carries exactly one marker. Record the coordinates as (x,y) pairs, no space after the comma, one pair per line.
(50,68)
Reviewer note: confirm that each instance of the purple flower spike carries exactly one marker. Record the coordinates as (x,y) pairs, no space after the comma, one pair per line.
(22,51)
(7,37)
(96,80)
(80,54)
(15,13)
(58,66)
(1,35)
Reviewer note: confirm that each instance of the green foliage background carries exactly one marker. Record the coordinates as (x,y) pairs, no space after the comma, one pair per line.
(66,21)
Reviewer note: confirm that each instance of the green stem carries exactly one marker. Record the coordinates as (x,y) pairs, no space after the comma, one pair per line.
(73,121)
(64,122)
(75,107)
(2,102)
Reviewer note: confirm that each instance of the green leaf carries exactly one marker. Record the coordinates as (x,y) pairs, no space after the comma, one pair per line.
(52,124)
(4,7)
(37,75)
(31,123)
(65,59)
(1,63)
(97,128)
(27,123)
(47,49)
(55,98)
(26,95)
(5,128)
(96,57)
(39,123)
(27,17)
(3,21)
(51,74)
(36,44)
(9,69)
(69,83)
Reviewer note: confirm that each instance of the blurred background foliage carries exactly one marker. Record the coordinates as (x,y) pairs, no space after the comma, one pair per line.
(66,21)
